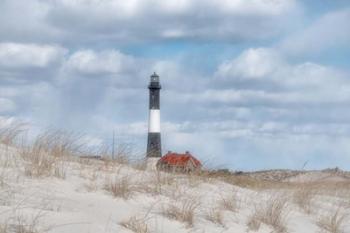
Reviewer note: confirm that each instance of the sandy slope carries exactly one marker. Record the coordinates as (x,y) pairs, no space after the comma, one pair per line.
(79,203)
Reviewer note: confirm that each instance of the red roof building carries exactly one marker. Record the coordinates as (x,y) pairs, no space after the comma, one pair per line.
(178,162)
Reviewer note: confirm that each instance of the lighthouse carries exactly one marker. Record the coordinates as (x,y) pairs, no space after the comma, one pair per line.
(154,148)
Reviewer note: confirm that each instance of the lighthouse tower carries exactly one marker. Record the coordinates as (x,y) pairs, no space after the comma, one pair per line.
(154,150)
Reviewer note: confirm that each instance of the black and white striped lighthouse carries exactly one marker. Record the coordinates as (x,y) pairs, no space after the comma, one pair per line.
(154,148)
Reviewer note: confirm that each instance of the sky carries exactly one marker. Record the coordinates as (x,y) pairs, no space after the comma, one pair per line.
(246,84)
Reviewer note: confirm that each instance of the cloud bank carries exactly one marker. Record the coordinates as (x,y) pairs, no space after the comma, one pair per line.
(85,65)
(143,20)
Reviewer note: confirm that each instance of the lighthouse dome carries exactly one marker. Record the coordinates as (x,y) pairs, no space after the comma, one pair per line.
(154,77)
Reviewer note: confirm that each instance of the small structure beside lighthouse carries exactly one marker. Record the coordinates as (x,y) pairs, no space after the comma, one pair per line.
(154,147)
(173,162)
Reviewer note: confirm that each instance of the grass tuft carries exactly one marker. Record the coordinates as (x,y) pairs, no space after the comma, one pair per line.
(183,212)
(303,197)
(135,225)
(215,215)
(333,222)
(230,202)
(119,187)
(271,213)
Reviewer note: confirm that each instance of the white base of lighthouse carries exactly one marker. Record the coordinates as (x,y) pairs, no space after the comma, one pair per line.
(151,164)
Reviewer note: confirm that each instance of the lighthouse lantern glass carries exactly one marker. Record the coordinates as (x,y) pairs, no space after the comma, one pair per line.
(154,78)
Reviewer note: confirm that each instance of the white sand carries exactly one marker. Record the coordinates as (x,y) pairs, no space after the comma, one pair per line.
(79,204)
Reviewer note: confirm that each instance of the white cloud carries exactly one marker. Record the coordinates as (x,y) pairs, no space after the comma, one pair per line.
(257,128)
(9,91)
(16,55)
(270,96)
(143,20)
(25,23)
(7,121)
(7,105)
(269,67)
(135,6)
(256,104)
(328,32)
(173,74)
(251,64)
(89,62)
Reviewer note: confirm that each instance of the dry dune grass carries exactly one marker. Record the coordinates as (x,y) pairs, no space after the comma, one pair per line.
(139,164)
(37,163)
(134,224)
(156,183)
(333,222)
(215,215)
(304,196)
(9,133)
(92,184)
(244,181)
(273,212)
(110,162)
(20,223)
(183,211)
(257,183)
(51,151)
(230,202)
(161,180)
(119,187)
(47,155)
